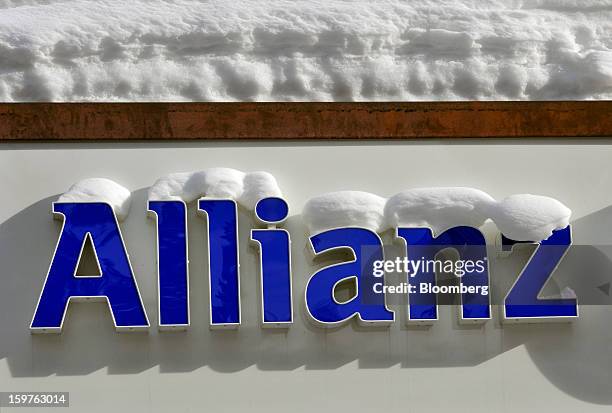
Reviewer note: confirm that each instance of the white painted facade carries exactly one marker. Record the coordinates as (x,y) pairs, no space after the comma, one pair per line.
(516,368)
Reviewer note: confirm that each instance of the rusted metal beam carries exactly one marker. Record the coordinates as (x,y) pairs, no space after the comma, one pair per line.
(390,120)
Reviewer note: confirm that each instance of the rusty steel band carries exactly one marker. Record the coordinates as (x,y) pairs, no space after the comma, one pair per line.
(389,120)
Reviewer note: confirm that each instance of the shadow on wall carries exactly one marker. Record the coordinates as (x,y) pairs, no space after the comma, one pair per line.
(575,357)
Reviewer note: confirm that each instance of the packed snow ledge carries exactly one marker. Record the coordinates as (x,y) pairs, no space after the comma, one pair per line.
(522,217)
(100,190)
(245,188)
(218,50)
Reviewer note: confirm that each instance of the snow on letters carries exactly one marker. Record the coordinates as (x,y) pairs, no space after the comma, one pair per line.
(244,188)
(426,220)
(523,217)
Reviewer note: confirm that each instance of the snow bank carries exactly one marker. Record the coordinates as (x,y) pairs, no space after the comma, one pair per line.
(218,50)
(245,188)
(100,190)
(521,217)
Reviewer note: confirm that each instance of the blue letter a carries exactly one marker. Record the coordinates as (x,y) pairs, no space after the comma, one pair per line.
(115,284)
(370,308)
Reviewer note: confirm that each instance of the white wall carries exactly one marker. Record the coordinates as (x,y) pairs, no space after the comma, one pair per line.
(515,368)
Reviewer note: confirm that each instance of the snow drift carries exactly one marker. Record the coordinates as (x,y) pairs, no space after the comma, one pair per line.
(217,50)
(521,217)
